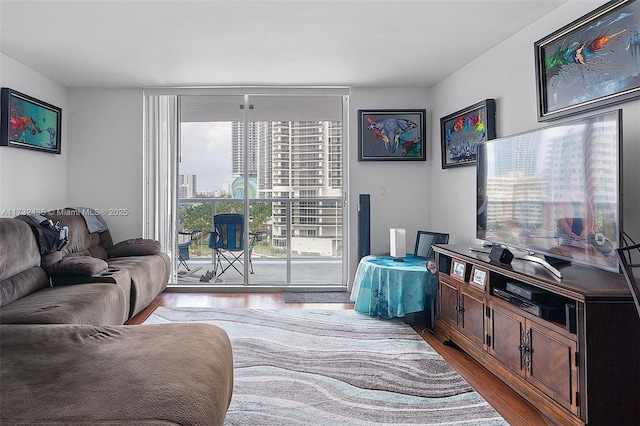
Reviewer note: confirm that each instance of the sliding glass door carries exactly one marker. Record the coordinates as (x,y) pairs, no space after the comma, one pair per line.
(278,161)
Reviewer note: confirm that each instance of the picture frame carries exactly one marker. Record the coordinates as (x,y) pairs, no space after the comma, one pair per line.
(461,131)
(458,269)
(391,135)
(479,277)
(590,63)
(26,122)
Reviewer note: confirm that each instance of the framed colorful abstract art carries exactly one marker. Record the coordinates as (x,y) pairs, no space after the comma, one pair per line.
(461,131)
(29,123)
(391,135)
(591,63)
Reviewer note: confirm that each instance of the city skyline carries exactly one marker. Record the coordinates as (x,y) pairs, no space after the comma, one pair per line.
(286,160)
(206,153)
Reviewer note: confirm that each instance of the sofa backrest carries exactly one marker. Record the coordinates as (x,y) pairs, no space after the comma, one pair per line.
(20,272)
(81,242)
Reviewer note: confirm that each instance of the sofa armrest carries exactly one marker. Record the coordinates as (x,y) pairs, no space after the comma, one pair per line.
(86,266)
(135,247)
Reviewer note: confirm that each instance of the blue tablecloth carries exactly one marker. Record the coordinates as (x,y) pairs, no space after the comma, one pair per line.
(387,289)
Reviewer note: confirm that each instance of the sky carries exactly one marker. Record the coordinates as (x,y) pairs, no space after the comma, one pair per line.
(206,152)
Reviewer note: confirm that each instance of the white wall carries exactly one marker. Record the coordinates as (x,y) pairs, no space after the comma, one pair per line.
(408,199)
(507,73)
(105,159)
(105,156)
(32,180)
(101,159)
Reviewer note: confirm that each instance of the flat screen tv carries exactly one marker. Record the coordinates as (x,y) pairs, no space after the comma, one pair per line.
(554,192)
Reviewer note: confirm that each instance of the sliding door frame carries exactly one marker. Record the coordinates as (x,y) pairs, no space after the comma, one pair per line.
(246,93)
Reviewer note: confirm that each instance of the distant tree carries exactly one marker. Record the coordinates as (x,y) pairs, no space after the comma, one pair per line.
(260,213)
(229,207)
(195,217)
(198,216)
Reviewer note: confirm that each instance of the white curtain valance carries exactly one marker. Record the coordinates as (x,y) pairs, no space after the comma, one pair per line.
(249,90)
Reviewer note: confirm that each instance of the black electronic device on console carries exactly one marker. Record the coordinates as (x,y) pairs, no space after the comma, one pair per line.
(540,309)
(571,320)
(501,255)
(527,291)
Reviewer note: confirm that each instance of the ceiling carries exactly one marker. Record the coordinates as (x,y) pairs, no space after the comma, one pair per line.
(357,43)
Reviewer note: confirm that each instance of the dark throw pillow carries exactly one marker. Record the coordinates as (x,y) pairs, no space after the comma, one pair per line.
(135,247)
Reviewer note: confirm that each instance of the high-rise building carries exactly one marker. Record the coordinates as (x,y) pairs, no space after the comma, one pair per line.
(297,159)
(238,165)
(187,186)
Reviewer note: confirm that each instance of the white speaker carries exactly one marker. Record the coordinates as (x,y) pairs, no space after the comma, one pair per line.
(398,242)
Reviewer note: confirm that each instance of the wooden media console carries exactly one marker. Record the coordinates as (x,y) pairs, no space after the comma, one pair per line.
(571,346)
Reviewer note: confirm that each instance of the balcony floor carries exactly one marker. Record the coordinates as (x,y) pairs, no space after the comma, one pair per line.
(270,272)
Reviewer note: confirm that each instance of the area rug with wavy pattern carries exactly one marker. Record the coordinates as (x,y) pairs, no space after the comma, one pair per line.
(336,367)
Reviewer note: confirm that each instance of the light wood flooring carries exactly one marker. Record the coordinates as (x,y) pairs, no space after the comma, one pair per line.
(510,405)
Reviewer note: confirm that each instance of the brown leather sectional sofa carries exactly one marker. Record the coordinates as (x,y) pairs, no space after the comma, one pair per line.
(66,356)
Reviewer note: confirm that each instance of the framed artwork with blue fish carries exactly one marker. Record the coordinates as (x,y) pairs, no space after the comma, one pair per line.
(391,135)
(27,122)
(590,63)
(461,132)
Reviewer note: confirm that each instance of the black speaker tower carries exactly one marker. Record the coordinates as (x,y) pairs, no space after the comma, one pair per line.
(364,225)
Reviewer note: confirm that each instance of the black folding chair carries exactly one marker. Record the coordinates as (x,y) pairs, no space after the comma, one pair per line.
(184,242)
(629,260)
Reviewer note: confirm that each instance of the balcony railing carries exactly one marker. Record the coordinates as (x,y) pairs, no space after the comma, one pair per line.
(287,255)
(325,213)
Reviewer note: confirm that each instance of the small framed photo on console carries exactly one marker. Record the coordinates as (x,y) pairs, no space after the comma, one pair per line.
(458,269)
(479,277)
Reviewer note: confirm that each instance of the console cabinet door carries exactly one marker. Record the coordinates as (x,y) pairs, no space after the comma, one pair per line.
(507,332)
(545,359)
(449,302)
(473,324)
(553,365)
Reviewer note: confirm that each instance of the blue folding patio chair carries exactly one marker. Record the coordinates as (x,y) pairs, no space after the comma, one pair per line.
(227,242)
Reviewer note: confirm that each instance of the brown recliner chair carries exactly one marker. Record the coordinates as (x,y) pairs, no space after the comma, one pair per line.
(138,266)
(27,298)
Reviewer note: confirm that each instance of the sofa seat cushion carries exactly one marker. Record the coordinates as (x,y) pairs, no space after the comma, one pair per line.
(115,375)
(96,303)
(149,277)
(119,277)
